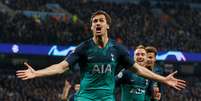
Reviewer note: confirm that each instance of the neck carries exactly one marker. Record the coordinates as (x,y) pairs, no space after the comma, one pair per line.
(101,40)
(150,67)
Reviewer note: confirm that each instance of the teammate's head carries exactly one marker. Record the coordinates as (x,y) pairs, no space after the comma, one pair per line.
(140,55)
(77,87)
(100,22)
(151,56)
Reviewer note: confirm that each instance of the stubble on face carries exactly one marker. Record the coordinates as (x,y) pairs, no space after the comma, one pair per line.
(140,57)
(99,28)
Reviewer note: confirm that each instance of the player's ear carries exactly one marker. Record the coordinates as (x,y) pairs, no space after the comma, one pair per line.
(91,27)
(108,27)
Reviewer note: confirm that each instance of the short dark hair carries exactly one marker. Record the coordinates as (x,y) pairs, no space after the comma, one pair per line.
(101,12)
(150,49)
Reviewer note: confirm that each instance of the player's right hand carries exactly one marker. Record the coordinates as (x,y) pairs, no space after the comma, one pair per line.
(29,73)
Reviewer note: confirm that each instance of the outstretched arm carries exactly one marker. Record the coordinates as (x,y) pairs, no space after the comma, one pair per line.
(51,70)
(168,80)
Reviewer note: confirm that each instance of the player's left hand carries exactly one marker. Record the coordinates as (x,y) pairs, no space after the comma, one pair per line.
(178,84)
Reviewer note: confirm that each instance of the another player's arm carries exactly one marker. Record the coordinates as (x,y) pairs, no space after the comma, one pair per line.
(168,80)
(125,60)
(51,70)
(156,95)
(66,90)
(142,71)
(119,78)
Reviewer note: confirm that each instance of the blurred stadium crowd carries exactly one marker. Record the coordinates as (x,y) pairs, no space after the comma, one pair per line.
(40,89)
(167,26)
(50,88)
(192,93)
(164,25)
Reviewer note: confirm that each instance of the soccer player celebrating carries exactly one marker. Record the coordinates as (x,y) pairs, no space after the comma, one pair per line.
(98,58)
(66,90)
(133,87)
(153,90)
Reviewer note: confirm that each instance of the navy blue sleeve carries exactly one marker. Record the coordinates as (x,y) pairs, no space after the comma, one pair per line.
(75,56)
(159,70)
(119,78)
(124,57)
(153,83)
(122,78)
(71,98)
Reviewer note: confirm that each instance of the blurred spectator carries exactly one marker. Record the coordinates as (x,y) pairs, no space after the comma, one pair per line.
(51,88)
(166,26)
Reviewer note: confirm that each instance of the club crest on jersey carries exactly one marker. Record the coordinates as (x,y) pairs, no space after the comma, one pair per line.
(112,55)
(101,69)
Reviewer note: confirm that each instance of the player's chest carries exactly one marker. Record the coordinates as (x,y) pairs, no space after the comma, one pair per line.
(101,55)
(101,61)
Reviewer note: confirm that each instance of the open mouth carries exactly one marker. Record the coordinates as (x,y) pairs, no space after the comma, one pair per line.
(140,59)
(98,29)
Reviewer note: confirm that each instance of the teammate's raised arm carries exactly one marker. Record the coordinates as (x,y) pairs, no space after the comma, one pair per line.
(66,90)
(168,80)
(30,73)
